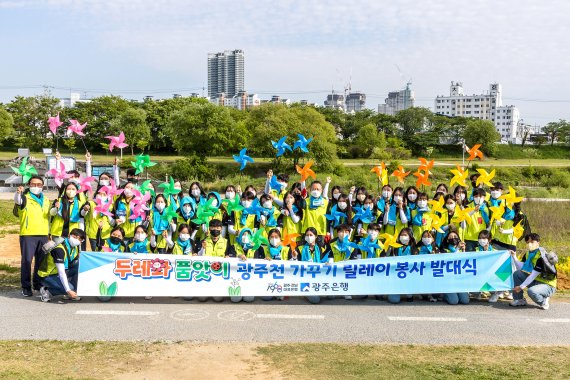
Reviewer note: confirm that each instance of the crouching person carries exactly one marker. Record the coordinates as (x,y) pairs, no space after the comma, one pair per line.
(536,272)
(59,268)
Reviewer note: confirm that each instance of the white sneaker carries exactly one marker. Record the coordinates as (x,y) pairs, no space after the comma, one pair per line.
(521,302)
(432,299)
(546,304)
(508,296)
(148,298)
(45,295)
(494,298)
(347,297)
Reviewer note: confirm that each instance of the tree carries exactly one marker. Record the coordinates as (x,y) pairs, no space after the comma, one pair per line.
(368,139)
(482,132)
(554,129)
(525,133)
(132,122)
(6,124)
(415,125)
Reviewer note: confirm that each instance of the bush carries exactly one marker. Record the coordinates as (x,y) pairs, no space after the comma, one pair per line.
(558,179)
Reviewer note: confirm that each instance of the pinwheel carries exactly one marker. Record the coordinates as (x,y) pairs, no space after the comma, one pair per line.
(103,207)
(485,178)
(497,212)
(423,179)
(511,198)
(437,206)
(275,184)
(117,141)
(169,213)
(425,165)
(474,152)
(76,127)
(146,188)
(518,230)
(85,184)
(462,215)
(281,146)
(459,176)
(142,162)
(363,215)
(203,215)
(138,211)
(401,174)
(58,174)
(258,239)
(112,190)
(25,170)
(381,173)
(232,205)
(168,188)
(368,246)
(335,216)
(306,171)
(289,240)
(302,143)
(243,158)
(437,222)
(390,241)
(54,123)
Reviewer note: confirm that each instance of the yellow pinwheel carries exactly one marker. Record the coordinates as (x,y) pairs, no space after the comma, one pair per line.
(437,206)
(437,222)
(390,241)
(497,212)
(462,215)
(511,198)
(459,176)
(518,230)
(381,173)
(485,178)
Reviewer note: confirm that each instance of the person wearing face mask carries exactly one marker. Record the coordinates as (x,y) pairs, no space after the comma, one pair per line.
(276,187)
(105,177)
(141,242)
(214,244)
(373,233)
(452,244)
(358,200)
(314,214)
(115,242)
(311,251)
(484,245)
(411,196)
(495,201)
(340,213)
(406,239)
(66,213)
(182,244)
(479,219)
(197,193)
(385,199)
(215,200)
(449,216)
(363,217)
(336,192)
(291,216)
(268,215)
(187,210)
(161,229)
(460,196)
(339,248)
(243,250)
(174,199)
(230,194)
(95,220)
(241,219)
(58,269)
(427,247)
(276,250)
(504,237)
(32,208)
(536,272)
(421,222)
(123,206)
(132,176)
(442,188)
(397,214)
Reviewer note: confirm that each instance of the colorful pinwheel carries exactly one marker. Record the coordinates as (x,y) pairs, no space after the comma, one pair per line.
(25,170)
(117,141)
(281,146)
(306,171)
(142,162)
(302,143)
(243,159)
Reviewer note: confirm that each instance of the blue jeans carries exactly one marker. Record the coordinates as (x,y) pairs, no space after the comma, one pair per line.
(456,298)
(537,291)
(54,285)
(397,298)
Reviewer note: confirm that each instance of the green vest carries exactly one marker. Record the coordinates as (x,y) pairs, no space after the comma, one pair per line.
(217,249)
(550,280)
(34,218)
(47,266)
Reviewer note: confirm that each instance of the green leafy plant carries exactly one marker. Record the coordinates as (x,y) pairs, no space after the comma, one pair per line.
(108,291)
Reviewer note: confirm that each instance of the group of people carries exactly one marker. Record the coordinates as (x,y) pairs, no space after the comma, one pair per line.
(322,220)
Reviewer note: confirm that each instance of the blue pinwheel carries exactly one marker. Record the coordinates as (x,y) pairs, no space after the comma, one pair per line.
(363,215)
(281,146)
(275,185)
(335,216)
(243,158)
(367,246)
(302,143)
(344,246)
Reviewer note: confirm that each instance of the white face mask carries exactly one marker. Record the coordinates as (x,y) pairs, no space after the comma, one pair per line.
(230,195)
(532,246)
(70,193)
(426,241)
(373,235)
(196,193)
(477,201)
(386,194)
(215,203)
(104,182)
(245,239)
(450,206)
(315,194)
(368,206)
(404,239)
(103,198)
(128,193)
(495,194)
(342,205)
(462,196)
(443,191)
(283,185)
(179,189)
(422,204)
(310,239)
(483,242)
(275,241)
(246,204)
(361,197)
(341,236)
(267,204)
(74,242)
(397,198)
(187,209)
(184,237)
(140,236)
(412,197)
(336,195)
(36,190)
(160,206)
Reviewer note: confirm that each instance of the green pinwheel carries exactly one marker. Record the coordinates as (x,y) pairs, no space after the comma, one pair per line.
(145,188)
(168,188)
(258,239)
(25,170)
(142,162)
(205,212)
(169,214)
(233,205)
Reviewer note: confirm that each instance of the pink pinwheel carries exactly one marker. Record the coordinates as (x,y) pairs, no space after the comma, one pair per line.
(54,123)
(117,141)
(58,174)
(85,184)
(137,212)
(112,190)
(103,207)
(76,128)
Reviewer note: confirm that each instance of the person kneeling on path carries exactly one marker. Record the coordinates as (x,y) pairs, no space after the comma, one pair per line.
(59,268)
(536,272)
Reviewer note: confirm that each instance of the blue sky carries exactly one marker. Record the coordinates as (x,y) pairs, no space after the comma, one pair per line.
(298,49)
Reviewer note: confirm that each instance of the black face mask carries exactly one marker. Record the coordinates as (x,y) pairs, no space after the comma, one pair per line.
(115,240)
(132,180)
(215,233)
(454,241)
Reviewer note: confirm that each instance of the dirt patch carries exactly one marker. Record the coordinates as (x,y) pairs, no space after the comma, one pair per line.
(563,281)
(10,250)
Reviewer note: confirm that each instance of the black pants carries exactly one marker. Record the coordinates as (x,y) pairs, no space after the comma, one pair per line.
(31,248)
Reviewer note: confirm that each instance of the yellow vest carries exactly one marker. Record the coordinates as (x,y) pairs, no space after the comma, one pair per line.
(34,218)
(239,251)
(217,249)
(57,221)
(284,252)
(472,230)
(47,266)
(316,217)
(92,223)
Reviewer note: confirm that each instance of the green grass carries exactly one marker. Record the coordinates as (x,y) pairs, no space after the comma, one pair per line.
(9,278)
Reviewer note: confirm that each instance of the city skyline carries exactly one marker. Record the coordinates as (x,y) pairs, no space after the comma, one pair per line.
(295,50)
